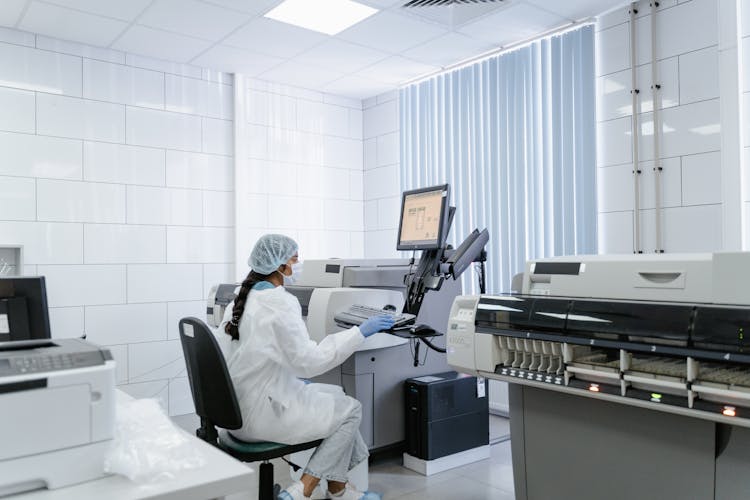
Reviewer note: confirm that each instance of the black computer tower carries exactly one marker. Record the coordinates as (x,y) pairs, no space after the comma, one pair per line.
(446,413)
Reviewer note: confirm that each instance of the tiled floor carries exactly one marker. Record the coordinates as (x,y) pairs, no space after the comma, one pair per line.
(490,479)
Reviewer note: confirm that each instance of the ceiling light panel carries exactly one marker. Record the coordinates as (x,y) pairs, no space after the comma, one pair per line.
(325,16)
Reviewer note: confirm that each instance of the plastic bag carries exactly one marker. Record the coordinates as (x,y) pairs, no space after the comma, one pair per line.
(147,447)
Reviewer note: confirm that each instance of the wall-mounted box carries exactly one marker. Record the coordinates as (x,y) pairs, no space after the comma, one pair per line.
(11,260)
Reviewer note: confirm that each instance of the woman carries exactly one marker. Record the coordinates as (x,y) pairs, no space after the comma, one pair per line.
(270,350)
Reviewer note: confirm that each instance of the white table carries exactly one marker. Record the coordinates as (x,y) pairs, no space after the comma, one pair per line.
(222,475)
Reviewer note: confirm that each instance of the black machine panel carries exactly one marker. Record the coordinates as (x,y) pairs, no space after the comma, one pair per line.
(698,330)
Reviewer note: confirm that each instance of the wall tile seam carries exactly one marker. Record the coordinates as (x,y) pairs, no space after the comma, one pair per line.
(117,103)
(638,16)
(658,60)
(297,97)
(660,158)
(121,143)
(304,131)
(69,54)
(670,207)
(327,103)
(90,181)
(642,113)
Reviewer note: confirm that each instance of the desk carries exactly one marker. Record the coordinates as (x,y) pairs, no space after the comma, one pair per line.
(222,475)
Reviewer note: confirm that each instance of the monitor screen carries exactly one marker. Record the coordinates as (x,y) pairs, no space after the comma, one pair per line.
(423,214)
(23,309)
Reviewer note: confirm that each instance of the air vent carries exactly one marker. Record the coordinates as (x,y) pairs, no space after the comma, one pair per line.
(434,3)
(453,13)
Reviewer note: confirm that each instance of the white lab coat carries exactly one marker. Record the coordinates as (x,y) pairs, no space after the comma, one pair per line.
(273,352)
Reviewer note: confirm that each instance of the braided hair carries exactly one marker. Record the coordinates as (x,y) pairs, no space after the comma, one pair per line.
(233,327)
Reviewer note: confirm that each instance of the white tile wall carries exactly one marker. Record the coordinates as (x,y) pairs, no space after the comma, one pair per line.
(164,282)
(44,242)
(126,323)
(39,70)
(381,179)
(688,71)
(17,198)
(163,129)
(199,244)
(18,110)
(111,163)
(150,361)
(199,97)
(306,162)
(66,322)
(745,116)
(199,171)
(63,116)
(123,84)
(38,156)
(120,164)
(83,285)
(120,244)
(217,136)
(70,201)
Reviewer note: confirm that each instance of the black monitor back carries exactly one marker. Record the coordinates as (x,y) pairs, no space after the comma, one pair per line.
(23,308)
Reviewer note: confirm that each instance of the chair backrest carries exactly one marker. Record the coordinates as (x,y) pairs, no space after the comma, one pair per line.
(210,383)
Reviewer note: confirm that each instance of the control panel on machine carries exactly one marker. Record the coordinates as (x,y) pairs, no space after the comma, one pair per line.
(357,314)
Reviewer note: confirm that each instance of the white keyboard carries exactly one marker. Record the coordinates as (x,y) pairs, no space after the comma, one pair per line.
(358,314)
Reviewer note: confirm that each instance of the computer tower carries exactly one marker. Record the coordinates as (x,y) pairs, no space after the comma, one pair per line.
(446,413)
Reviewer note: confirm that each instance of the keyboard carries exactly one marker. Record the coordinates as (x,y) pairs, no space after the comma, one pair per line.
(357,314)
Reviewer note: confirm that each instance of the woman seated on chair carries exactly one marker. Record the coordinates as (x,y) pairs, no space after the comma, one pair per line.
(270,350)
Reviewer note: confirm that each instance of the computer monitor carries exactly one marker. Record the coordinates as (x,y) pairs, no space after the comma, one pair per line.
(424,214)
(23,309)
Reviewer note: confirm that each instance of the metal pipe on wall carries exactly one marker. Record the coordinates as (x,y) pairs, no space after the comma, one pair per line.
(656,102)
(635,133)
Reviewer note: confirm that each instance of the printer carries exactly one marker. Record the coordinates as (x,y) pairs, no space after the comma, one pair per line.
(618,366)
(57,401)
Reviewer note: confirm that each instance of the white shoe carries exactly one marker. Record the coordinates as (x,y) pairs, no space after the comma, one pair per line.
(296,491)
(350,493)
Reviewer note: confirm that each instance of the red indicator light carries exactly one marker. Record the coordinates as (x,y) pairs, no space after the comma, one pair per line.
(729,411)
(594,387)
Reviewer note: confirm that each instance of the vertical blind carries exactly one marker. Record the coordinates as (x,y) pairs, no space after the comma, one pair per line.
(514,136)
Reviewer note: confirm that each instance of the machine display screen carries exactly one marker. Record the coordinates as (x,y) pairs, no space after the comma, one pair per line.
(421,219)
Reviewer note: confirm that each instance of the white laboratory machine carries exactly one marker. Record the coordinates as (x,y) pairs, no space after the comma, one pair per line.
(629,375)
(57,401)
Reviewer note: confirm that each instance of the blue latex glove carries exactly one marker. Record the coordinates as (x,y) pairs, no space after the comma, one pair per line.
(376,324)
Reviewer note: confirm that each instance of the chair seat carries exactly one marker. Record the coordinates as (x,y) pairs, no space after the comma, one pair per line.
(248,451)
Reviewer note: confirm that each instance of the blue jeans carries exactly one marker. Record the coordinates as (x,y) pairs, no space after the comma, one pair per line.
(344,449)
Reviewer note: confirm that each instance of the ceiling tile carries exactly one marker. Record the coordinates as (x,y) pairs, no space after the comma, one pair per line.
(396,70)
(249,7)
(448,49)
(516,23)
(391,32)
(301,75)
(341,56)
(126,11)
(189,17)
(357,87)
(67,24)
(234,60)
(160,44)
(274,38)
(578,9)
(11,11)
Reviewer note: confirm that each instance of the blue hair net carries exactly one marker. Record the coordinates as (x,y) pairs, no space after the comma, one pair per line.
(270,251)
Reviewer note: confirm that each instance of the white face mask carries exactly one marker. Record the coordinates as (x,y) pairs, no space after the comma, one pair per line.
(296,271)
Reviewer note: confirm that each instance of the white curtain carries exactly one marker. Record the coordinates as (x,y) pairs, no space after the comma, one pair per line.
(514,136)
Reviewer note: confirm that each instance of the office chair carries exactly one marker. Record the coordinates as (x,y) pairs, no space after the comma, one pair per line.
(216,405)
